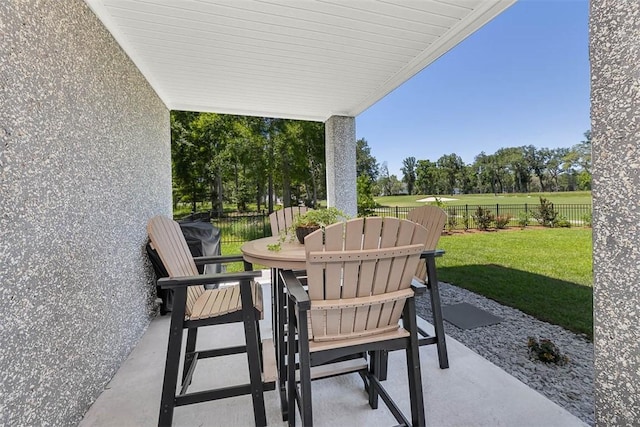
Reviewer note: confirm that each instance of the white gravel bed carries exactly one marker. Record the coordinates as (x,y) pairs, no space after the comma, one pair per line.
(505,345)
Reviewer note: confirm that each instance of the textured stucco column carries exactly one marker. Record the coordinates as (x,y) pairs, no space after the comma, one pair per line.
(340,150)
(615,121)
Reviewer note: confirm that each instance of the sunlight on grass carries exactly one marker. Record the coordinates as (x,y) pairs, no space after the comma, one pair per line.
(544,272)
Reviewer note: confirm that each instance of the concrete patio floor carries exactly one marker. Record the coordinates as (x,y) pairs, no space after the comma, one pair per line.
(472,392)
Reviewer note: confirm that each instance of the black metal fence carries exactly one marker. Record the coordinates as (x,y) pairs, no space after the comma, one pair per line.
(462,217)
(236,228)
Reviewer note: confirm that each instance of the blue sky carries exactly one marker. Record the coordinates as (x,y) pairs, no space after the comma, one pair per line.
(521,79)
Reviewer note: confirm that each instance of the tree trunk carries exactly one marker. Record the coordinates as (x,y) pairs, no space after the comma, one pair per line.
(258,194)
(270,193)
(219,204)
(286,184)
(212,194)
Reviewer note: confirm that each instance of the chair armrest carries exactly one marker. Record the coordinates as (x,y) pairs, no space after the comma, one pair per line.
(213,259)
(206,279)
(419,288)
(432,253)
(295,291)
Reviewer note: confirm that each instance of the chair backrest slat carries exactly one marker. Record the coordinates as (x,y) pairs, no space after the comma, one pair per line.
(168,240)
(313,242)
(360,260)
(433,219)
(353,241)
(282,219)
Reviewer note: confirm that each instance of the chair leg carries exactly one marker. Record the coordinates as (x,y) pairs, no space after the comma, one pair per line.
(436,309)
(251,334)
(384,365)
(172,364)
(413,365)
(375,364)
(280,319)
(306,410)
(189,354)
(291,370)
(259,337)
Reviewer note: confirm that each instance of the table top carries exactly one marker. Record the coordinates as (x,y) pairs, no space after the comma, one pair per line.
(290,256)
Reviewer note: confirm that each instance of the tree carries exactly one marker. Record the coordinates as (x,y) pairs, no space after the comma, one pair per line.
(409,173)
(366,164)
(313,138)
(395,185)
(515,168)
(556,165)
(538,160)
(426,177)
(383,180)
(364,188)
(579,157)
(451,166)
(188,165)
(213,134)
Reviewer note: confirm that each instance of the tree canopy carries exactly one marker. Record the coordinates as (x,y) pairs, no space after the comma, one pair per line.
(257,161)
(509,170)
(242,160)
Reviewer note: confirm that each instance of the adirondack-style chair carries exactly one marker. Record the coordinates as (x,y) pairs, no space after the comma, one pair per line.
(433,219)
(283,218)
(194,307)
(359,284)
(280,221)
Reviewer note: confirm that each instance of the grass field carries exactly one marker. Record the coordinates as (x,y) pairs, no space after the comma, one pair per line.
(569,197)
(546,273)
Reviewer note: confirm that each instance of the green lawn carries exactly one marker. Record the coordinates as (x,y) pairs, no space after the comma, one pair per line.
(569,197)
(546,273)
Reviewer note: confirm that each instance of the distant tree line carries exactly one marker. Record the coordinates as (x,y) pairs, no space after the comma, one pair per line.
(509,170)
(256,162)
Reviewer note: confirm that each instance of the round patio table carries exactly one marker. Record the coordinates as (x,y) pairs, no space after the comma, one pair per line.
(291,255)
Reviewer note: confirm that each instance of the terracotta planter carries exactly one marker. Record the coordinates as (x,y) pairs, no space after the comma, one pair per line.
(301,232)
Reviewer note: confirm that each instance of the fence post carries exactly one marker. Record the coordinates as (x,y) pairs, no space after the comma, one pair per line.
(497,210)
(466,210)
(397,215)
(264,224)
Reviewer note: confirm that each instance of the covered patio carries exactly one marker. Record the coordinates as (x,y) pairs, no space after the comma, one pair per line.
(472,391)
(86,92)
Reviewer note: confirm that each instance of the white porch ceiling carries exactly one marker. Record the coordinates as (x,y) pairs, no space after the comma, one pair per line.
(299,59)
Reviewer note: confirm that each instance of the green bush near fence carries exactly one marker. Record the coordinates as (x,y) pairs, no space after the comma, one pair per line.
(242,227)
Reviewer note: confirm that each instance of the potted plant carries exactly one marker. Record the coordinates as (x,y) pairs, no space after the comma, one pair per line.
(312,220)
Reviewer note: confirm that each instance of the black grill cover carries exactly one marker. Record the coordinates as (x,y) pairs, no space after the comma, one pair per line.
(203,239)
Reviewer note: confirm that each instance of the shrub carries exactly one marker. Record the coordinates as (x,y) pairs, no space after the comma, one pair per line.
(587,219)
(562,222)
(523,219)
(483,218)
(452,219)
(545,214)
(438,202)
(366,204)
(545,351)
(503,220)
(465,220)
